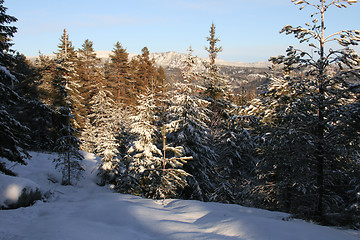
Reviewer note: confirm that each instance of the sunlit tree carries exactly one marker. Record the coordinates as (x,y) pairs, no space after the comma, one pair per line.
(311,113)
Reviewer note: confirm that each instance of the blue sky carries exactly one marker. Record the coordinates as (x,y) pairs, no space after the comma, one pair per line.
(248,30)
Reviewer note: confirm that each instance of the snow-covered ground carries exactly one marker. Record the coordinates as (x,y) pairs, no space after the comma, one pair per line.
(90,212)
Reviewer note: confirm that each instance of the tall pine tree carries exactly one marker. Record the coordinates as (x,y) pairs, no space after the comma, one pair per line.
(88,71)
(118,75)
(312,117)
(69,160)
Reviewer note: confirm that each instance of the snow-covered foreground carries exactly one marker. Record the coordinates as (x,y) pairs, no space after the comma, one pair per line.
(90,212)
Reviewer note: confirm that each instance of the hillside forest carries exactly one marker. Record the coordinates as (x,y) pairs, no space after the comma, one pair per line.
(292,145)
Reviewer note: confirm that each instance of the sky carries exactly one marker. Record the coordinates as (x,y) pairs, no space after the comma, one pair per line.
(248,29)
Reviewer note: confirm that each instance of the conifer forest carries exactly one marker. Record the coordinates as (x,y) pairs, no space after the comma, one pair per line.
(293,147)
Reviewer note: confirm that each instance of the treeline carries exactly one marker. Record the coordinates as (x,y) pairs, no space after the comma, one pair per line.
(293,148)
(84,73)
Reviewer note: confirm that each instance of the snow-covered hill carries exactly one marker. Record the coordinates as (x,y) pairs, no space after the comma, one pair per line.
(176,60)
(90,212)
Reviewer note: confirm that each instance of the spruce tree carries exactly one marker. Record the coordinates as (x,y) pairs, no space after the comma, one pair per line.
(188,117)
(215,83)
(216,88)
(68,148)
(143,156)
(103,133)
(150,170)
(32,112)
(235,147)
(173,177)
(228,137)
(13,134)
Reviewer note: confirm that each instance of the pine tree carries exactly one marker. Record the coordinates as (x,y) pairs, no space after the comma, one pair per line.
(118,75)
(145,73)
(88,70)
(12,133)
(47,88)
(313,107)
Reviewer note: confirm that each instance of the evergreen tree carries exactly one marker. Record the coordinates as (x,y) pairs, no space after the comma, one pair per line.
(47,87)
(88,70)
(188,128)
(163,85)
(87,138)
(103,132)
(66,80)
(150,171)
(229,139)
(118,75)
(215,83)
(285,149)
(142,154)
(145,73)
(67,146)
(31,111)
(216,89)
(173,180)
(311,117)
(234,167)
(12,133)
(70,158)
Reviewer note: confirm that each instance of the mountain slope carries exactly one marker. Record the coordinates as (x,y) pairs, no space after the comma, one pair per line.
(90,212)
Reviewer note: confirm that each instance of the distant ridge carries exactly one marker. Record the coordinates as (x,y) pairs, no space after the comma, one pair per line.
(175,60)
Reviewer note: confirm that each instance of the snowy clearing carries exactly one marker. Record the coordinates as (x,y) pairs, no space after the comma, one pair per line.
(90,212)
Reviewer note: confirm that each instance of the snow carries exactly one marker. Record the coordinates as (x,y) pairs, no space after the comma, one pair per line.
(90,212)
(11,189)
(8,73)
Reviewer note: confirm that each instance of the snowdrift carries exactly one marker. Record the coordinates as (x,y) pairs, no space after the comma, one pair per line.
(17,192)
